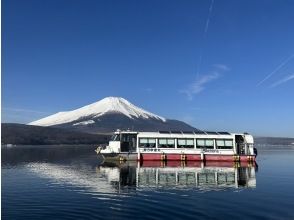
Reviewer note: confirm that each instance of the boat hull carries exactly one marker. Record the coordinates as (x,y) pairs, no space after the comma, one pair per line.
(120,156)
(177,157)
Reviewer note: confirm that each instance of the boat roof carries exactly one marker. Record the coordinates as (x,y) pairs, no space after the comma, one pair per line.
(173,132)
(188,134)
(196,132)
(177,132)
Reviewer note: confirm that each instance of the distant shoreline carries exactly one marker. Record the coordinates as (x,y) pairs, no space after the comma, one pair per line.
(50,145)
(19,134)
(258,146)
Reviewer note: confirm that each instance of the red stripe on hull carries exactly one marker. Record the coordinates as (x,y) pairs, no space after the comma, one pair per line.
(194,157)
(219,157)
(151,156)
(173,157)
(157,163)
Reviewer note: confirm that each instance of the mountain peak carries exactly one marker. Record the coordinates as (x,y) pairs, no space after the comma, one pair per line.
(97,109)
(113,101)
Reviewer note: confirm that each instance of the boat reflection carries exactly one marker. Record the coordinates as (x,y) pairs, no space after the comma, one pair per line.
(76,167)
(210,175)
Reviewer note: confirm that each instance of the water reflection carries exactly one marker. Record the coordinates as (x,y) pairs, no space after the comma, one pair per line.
(180,175)
(58,182)
(82,169)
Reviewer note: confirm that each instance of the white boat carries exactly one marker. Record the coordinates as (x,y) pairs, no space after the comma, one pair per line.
(180,145)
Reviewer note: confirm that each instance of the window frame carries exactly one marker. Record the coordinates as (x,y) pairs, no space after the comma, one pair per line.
(224,147)
(115,137)
(185,146)
(205,146)
(167,145)
(147,143)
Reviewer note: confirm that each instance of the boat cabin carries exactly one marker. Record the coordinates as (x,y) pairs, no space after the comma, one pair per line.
(181,142)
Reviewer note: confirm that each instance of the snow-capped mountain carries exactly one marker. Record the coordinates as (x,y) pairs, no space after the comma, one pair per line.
(109,114)
(96,110)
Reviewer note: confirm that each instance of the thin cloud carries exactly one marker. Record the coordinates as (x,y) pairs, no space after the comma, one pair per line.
(222,67)
(282,81)
(25,110)
(208,18)
(276,69)
(20,115)
(200,84)
(204,36)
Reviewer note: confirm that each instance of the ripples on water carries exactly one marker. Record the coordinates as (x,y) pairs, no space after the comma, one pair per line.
(72,183)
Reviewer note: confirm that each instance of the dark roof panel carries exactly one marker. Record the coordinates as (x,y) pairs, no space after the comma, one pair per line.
(188,132)
(199,132)
(164,132)
(223,132)
(176,132)
(211,132)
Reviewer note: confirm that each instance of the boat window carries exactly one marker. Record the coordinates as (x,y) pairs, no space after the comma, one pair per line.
(205,143)
(229,143)
(125,138)
(147,142)
(112,137)
(115,137)
(220,143)
(185,143)
(209,143)
(166,143)
(224,144)
(200,143)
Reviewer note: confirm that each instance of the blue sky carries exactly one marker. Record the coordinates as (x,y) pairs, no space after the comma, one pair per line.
(221,65)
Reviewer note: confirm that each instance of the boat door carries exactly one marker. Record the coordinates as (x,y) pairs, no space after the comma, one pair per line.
(128,142)
(240,144)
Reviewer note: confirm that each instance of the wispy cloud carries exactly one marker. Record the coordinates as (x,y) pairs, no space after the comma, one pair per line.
(282,81)
(200,84)
(25,110)
(204,36)
(222,67)
(20,115)
(277,69)
(208,18)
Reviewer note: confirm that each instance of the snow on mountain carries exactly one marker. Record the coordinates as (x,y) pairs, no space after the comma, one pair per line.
(84,123)
(97,109)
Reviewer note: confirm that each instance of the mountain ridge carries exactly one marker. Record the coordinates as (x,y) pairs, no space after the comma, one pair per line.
(108,115)
(97,109)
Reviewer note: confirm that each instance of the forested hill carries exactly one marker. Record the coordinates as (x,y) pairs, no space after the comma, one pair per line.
(281,141)
(35,135)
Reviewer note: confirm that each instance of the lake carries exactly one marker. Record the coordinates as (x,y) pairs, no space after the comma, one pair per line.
(71,182)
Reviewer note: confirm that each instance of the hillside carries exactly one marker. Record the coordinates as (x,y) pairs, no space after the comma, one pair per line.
(265,141)
(36,135)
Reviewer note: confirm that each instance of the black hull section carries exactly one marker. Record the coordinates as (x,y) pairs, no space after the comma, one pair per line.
(120,156)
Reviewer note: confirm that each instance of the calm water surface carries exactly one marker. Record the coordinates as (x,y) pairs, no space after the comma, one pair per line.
(72,183)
